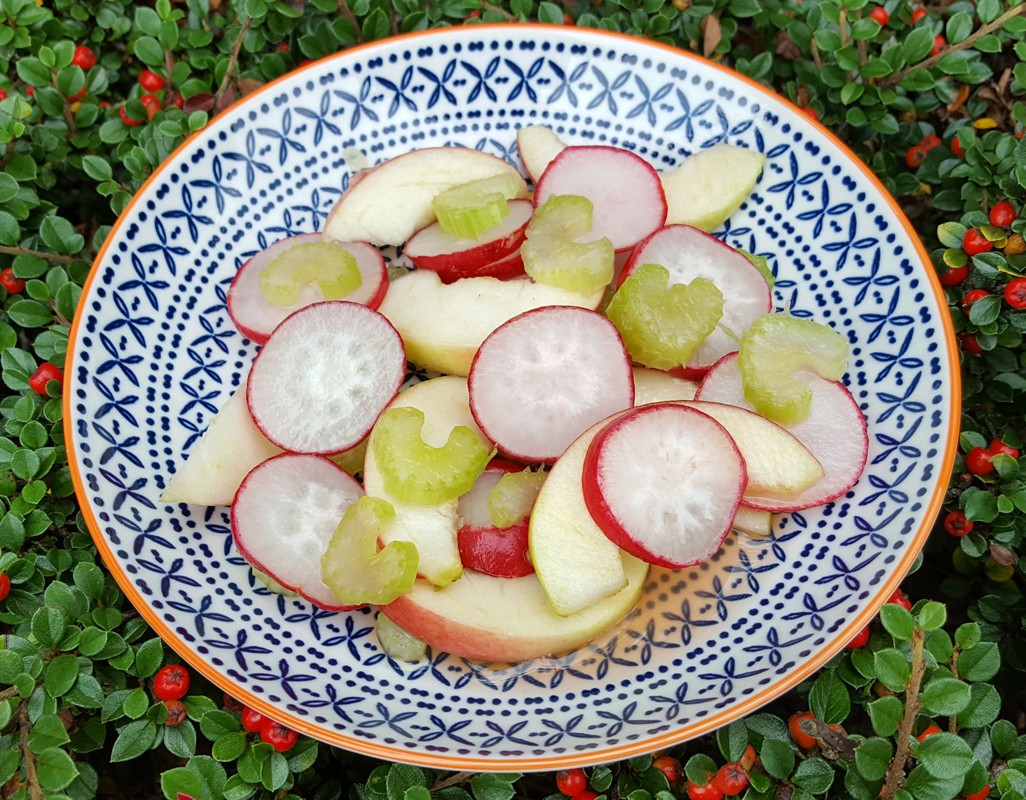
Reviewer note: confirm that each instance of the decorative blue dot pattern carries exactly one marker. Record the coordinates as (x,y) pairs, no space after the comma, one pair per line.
(156,355)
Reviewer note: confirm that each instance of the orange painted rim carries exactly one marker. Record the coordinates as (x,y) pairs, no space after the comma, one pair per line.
(628,749)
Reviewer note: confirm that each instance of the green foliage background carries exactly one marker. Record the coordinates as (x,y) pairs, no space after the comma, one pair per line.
(78,717)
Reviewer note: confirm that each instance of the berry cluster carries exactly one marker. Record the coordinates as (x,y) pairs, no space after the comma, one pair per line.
(280,737)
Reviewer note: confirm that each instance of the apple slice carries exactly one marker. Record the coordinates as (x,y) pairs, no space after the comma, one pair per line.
(710,185)
(485,546)
(444,324)
(489,619)
(834,432)
(664,482)
(393,201)
(432,528)
(541,379)
(538,146)
(575,561)
(324,376)
(255,316)
(753,522)
(654,386)
(687,253)
(284,515)
(453,258)
(607,176)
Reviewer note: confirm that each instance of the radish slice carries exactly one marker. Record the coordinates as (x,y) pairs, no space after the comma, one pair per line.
(834,432)
(512,266)
(284,515)
(255,317)
(624,189)
(324,377)
(453,258)
(688,254)
(543,378)
(484,547)
(664,482)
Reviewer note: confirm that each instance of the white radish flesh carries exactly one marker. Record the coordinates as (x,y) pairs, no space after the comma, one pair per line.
(255,317)
(543,378)
(834,432)
(284,515)
(687,253)
(324,377)
(453,257)
(623,188)
(664,482)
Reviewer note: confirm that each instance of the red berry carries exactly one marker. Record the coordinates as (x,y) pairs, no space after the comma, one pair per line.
(956,148)
(974,242)
(587,794)
(10,282)
(1015,293)
(915,156)
(5,586)
(127,119)
(230,703)
(152,104)
(175,713)
(970,344)
(669,766)
(918,14)
(939,43)
(3,94)
(956,524)
(899,598)
(928,732)
(860,639)
(977,461)
(278,736)
(175,99)
(30,91)
(475,14)
(954,276)
(254,721)
(980,795)
(150,81)
(747,761)
(998,446)
(84,57)
(731,779)
(171,682)
(571,781)
(973,297)
(1002,214)
(880,15)
(78,95)
(283,47)
(930,141)
(810,111)
(568,20)
(708,792)
(45,373)
(801,738)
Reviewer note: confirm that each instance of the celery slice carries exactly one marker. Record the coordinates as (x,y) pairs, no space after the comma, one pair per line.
(333,269)
(512,497)
(552,257)
(470,209)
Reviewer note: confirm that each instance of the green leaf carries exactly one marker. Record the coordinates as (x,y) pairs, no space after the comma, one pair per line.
(375,26)
(149,657)
(8,187)
(732,740)
(229,746)
(985,310)
(493,785)
(891,668)
(89,578)
(275,771)
(48,731)
(86,692)
(59,234)
(33,71)
(137,703)
(180,740)
(55,769)
(885,715)
(238,789)
(10,760)
(814,775)
(777,758)
(944,755)
(60,674)
(181,780)
(925,786)
(700,769)
(947,696)
(897,621)
(10,231)
(30,314)
(828,699)
(981,663)
(960,25)
(133,740)
(215,723)
(932,616)
(872,758)
(983,708)
(211,774)
(149,51)
(917,45)
(48,626)
(951,234)
(1003,736)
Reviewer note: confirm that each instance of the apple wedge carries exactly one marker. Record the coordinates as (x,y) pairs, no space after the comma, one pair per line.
(484,618)
(753,522)
(393,201)
(710,185)
(538,146)
(442,325)
(656,386)
(433,528)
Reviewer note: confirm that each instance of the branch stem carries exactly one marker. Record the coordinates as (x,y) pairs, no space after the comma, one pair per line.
(896,770)
(452,780)
(22,251)
(232,60)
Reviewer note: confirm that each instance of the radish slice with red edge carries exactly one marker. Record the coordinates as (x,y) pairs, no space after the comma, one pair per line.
(285,513)
(325,375)
(623,188)
(256,317)
(484,547)
(688,253)
(453,257)
(664,482)
(546,376)
(834,432)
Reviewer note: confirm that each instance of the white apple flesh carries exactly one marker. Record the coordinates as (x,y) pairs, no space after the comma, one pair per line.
(538,146)
(710,185)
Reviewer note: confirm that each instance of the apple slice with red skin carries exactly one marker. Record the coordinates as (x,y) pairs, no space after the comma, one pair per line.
(285,513)
(664,482)
(483,546)
(834,432)
(453,257)
(606,176)
(688,253)
(256,317)
(538,145)
(325,375)
(541,379)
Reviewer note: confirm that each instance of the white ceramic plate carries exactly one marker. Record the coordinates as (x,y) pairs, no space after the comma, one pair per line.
(154,355)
